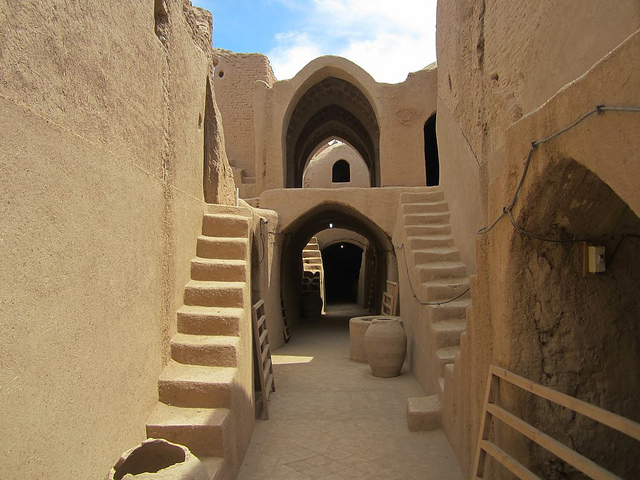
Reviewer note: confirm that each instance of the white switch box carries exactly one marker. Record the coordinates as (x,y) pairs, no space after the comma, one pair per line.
(594,259)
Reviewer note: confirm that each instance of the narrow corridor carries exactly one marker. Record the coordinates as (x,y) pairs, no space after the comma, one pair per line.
(331,419)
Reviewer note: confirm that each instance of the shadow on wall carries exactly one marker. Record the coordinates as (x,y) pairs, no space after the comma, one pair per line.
(572,333)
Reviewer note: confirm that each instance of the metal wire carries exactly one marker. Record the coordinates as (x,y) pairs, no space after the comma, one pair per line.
(507,211)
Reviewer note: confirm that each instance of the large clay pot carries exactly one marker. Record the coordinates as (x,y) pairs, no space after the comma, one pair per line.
(358,327)
(158,459)
(385,345)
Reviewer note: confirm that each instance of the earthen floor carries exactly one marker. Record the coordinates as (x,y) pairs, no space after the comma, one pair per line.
(331,419)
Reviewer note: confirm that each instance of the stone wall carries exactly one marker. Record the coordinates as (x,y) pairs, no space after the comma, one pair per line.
(235,77)
(511,73)
(102,174)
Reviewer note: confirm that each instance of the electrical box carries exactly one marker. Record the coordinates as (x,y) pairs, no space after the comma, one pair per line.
(594,261)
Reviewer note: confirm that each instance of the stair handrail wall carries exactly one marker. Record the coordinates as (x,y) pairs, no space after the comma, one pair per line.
(491,410)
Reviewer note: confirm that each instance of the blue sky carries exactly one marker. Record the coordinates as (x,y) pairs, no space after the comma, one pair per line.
(388,38)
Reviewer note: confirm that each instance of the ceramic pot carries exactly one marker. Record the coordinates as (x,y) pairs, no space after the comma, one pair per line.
(158,459)
(358,327)
(385,345)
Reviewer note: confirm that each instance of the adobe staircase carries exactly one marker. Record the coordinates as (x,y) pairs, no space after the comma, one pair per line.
(313,269)
(437,275)
(311,256)
(200,402)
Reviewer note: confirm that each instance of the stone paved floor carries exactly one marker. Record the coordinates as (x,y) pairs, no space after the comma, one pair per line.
(331,419)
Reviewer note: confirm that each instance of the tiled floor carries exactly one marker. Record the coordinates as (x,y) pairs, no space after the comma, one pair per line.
(331,419)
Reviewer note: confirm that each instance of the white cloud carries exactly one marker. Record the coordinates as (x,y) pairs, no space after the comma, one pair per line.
(293,51)
(389,39)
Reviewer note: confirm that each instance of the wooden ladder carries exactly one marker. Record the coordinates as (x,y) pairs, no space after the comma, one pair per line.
(390,299)
(285,321)
(263,353)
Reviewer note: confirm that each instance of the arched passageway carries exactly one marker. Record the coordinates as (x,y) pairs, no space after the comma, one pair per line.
(431,159)
(331,108)
(376,261)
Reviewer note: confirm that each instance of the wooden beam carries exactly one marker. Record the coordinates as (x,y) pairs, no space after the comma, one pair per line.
(560,450)
(508,461)
(610,419)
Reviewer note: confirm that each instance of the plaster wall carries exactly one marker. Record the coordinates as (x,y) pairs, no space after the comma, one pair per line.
(543,342)
(319,170)
(497,61)
(265,267)
(101,170)
(406,106)
(461,183)
(419,338)
(380,205)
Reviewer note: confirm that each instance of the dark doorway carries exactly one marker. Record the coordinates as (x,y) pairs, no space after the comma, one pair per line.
(432,163)
(341,263)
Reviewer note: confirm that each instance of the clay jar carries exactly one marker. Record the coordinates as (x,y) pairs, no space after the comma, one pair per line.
(385,345)
(158,459)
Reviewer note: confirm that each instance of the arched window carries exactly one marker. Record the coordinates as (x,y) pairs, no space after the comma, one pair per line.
(341,172)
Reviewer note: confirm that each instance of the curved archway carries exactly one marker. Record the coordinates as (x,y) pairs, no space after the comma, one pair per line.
(564,330)
(332,107)
(379,254)
(319,170)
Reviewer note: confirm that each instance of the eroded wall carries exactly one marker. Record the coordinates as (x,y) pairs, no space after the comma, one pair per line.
(533,313)
(234,77)
(101,174)
(497,61)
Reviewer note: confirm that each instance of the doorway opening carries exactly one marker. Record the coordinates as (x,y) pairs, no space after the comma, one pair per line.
(342,266)
(431,160)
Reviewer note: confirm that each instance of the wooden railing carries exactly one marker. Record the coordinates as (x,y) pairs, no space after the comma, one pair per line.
(493,411)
